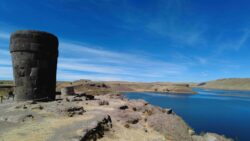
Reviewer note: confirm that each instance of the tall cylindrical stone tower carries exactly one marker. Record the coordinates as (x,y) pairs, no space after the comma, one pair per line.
(34,58)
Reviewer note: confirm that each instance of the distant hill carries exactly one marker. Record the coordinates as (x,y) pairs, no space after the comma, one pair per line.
(99,87)
(227,84)
(167,87)
(5,87)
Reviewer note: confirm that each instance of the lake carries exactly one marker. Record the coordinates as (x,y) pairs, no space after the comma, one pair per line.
(224,112)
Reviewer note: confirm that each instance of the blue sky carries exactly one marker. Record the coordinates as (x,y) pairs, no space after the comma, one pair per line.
(137,40)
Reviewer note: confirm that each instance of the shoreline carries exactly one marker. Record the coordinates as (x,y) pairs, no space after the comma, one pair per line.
(225,89)
(131,120)
(185,93)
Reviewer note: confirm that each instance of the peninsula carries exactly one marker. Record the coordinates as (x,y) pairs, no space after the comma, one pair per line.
(226,84)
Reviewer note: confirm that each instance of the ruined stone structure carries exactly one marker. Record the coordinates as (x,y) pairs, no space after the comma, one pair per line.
(68,91)
(34,59)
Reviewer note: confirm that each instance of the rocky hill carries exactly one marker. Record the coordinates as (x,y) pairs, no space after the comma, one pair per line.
(107,117)
(96,112)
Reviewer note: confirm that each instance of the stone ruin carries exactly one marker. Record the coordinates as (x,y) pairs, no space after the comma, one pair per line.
(34,58)
(68,91)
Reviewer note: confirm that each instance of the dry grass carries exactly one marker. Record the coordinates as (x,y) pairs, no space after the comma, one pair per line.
(3,92)
(229,84)
(150,87)
(6,82)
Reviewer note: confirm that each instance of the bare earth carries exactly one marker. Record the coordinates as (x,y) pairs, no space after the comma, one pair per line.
(106,118)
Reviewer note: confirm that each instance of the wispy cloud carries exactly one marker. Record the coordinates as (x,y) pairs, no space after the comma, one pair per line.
(80,60)
(88,59)
(241,42)
(170,24)
(190,35)
(236,44)
(69,75)
(65,64)
(165,24)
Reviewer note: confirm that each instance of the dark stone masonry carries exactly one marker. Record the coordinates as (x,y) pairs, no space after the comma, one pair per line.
(34,58)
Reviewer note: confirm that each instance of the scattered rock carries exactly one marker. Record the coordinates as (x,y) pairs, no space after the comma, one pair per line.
(97,129)
(39,107)
(28,117)
(126,125)
(80,95)
(33,102)
(151,110)
(123,107)
(103,102)
(75,110)
(191,132)
(90,97)
(134,109)
(169,111)
(133,121)
(25,107)
(18,106)
(128,117)
(76,99)
(67,99)
(173,127)
(136,115)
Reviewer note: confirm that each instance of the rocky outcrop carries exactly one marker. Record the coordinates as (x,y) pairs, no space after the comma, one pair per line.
(96,129)
(174,88)
(75,110)
(88,120)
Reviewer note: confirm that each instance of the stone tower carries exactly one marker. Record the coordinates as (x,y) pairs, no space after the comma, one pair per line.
(34,58)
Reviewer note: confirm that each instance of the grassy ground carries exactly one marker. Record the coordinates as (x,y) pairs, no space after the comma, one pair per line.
(6,82)
(229,84)
(3,92)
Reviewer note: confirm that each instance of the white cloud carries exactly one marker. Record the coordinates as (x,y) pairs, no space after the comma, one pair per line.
(71,65)
(78,61)
(88,62)
(87,59)
(192,35)
(69,76)
(86,49)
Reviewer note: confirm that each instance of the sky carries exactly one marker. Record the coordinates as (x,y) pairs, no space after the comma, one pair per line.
(136,40)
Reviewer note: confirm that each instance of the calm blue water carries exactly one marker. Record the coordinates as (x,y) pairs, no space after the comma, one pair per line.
(219,111)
